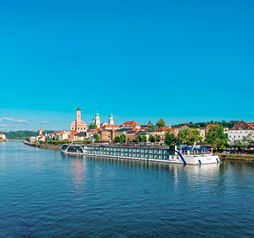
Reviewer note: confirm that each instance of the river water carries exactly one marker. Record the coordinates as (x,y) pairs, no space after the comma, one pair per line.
(46,194)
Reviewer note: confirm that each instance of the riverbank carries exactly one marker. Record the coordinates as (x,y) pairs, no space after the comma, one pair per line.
(43,146)
(239,157)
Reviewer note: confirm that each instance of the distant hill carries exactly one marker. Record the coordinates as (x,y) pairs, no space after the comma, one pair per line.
(20,135)
(204,124)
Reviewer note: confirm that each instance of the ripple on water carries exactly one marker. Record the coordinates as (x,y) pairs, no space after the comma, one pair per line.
(44,194)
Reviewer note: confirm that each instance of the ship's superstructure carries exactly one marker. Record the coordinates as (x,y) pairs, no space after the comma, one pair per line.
(181,155)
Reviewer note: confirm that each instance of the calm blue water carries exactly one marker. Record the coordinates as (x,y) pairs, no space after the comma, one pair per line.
(45,194)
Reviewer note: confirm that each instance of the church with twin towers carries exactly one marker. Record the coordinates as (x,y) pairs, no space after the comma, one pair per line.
(81,126)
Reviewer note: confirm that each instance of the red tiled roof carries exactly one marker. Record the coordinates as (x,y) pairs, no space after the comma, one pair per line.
(130,123)
(165,129)
(210,125)
(242,125)
(111,126)
(251,124)
(183,127)
(134,130)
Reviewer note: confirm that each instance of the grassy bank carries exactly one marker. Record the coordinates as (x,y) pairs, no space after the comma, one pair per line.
(242,157)
(44,145)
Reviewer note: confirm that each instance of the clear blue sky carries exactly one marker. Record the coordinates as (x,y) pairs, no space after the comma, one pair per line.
(140,60)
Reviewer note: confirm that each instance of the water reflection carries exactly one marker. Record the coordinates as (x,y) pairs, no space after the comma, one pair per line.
(78,174)
(174,169)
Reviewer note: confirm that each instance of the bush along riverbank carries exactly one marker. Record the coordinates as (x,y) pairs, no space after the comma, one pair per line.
(44,145)
(53,145)
(239,157)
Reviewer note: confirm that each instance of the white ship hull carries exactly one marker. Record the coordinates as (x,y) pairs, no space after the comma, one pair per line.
(176,158)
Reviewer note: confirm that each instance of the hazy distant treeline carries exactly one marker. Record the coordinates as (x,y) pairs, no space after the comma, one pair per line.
(228,124)
(23,134)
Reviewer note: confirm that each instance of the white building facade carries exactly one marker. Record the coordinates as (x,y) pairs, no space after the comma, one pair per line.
(239,132)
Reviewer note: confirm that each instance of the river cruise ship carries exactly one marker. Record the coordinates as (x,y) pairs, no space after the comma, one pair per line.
(178,155)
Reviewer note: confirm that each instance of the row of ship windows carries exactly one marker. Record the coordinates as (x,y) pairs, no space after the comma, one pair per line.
(134,155)
(129,150)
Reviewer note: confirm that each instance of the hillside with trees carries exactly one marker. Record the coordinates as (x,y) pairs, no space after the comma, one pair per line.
(205,124)
(20,135)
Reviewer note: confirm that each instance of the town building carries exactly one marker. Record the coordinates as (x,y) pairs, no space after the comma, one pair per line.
(162,132)
(239,132)
(131,124)
(81,136)
(2,137)
(202,133)
(131,135)
(145,127)
(110,127)
(180,128)
(106,135)
(121,131)
(79,125)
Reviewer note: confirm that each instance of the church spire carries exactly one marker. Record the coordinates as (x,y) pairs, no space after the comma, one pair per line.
(78,108)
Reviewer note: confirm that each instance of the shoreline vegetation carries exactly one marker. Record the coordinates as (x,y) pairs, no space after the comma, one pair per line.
(223,156)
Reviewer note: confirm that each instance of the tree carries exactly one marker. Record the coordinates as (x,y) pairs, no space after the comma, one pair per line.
(151,138)
(195,137)
(144,139)
(184,136)
(97,138)
(117,139)
(161,123)
(92,126)
(150,125)
(122,138)
(129,140)
(157,138)
(189,136)
(216,137)
(170,138)
(138,138)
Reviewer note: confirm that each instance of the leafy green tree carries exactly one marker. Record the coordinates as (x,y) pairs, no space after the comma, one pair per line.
(170,138)
(92,126)
(138,138)
(161,123)
(117,139)
(205,124)
(129,140)
(157,138)
(151,138)
(184,136)
(97,138)
(195,137)
(150,125)
(122,138)
(216,137)
(189,136)
(144,139)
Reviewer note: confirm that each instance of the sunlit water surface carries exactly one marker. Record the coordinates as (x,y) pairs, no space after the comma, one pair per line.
(45,194)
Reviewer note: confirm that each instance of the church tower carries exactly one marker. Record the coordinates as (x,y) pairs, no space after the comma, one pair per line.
(78,125)
(78,114)
(40,131)
(111,119)
(97,120)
